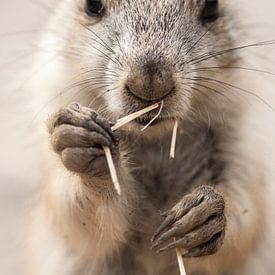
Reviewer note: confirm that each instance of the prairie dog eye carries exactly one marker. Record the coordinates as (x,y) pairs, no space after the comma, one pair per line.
(94,8)
(210,11)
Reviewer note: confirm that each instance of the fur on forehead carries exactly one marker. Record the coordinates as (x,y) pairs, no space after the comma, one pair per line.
(166,15)
(154,5)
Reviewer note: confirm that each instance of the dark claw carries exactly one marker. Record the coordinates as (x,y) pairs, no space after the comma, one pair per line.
(199,236)
(167,222)
(105,124)
(178,212)
(78,116)
(195,221)
(173,245)
(93,126)
(166,236)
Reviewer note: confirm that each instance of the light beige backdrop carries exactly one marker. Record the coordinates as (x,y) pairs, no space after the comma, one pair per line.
(20,22)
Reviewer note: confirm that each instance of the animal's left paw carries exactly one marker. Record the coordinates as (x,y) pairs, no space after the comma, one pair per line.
(196,224)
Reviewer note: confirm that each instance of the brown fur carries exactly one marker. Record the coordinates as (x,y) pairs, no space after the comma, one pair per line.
(80,224)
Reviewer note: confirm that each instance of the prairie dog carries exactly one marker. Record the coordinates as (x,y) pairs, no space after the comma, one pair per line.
(120,56)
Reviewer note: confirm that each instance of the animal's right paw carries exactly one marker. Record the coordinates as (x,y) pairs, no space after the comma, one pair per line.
(78,135)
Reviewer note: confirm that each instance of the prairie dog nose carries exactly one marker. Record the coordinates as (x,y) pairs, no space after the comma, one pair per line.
(150,82)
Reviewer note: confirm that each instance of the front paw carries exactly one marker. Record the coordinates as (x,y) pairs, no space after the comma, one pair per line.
(77,135)
(196,224)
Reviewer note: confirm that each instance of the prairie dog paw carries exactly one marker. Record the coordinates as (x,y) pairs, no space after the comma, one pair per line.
(196,224)
(77,135)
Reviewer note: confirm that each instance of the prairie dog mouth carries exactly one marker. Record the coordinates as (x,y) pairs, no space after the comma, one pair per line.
(145,120)
(149,119)
(145,116)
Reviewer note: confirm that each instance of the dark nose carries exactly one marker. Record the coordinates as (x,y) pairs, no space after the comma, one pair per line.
(150,82)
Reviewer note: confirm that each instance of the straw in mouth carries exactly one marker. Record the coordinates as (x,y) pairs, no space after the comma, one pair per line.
(154,118)
(121,122)
(125,120)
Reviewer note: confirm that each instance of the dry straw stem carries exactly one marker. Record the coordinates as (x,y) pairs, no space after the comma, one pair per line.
(121,122)
(157,115)
(112,169)
(174,140)
(172,155)
(180,262)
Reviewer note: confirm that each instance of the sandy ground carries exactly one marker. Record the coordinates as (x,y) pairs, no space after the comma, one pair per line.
(18,163)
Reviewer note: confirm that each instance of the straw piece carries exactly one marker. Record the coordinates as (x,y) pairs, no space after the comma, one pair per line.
(122,121)
(112,169)
(153,119)
(180,262)
(174,140)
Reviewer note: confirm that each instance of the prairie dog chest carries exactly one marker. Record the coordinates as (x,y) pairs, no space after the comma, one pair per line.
(199,160)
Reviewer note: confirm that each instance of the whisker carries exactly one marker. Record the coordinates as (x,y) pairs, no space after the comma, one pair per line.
(102,70)
(119,45)
(61,93)
(210,55)
(104,54)
(199,40)
(85,89)
(210,89)
(81,83)
(96,35)
(232,68)
(206,79)
(197,90)
(102,94)
(104,44)
(184,41)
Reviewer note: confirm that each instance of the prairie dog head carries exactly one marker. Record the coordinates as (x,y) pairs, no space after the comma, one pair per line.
(138,52)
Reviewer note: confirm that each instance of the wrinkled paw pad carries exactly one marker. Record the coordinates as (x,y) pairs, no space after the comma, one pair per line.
(78,135)
(196,224)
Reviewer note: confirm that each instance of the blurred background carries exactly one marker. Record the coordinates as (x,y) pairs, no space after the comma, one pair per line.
(21,23)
